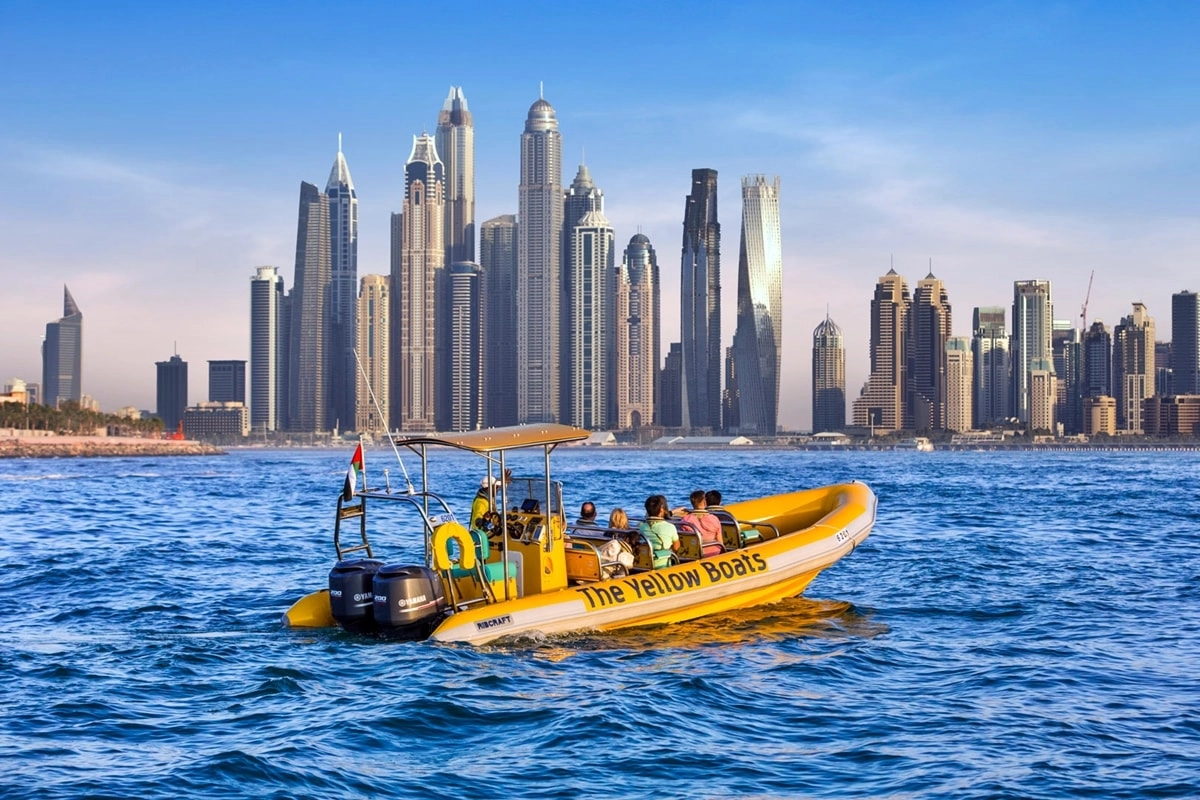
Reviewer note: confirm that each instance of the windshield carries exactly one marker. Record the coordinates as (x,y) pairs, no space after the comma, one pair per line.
(522,490)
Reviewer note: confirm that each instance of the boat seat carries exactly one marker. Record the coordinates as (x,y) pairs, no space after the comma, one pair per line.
(583,562)
(493,572)
(690,545)
(643,555)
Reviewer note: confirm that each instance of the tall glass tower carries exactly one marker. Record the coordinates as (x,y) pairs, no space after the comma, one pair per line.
(343,294)
(374,355)
(539,301)
(1032,320)
(62,355)
(466,345)
(828,377)
(308,384)
(1097,361)
(589,343)
(582,198)
(930,329)
(456,146)
(634,366)
(1185,342)
(700,313)
(1067,345)
(992,390)
(1133,367)
(758,338)
(880,405)
(419,292)
(171,391)
(498,257)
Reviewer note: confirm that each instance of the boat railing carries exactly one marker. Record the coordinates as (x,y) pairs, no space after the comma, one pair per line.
(432,515)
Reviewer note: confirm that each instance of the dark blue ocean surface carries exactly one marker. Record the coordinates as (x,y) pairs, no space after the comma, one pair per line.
(1018,625)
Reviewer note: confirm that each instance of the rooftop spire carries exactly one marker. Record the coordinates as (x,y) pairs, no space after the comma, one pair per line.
(340,174)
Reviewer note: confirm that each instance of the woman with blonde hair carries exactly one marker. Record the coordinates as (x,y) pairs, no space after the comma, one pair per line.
(616,550)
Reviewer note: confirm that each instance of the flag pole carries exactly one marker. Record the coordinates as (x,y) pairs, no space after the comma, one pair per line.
(386,426)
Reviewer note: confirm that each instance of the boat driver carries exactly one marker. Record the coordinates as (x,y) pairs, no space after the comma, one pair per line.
(485,499)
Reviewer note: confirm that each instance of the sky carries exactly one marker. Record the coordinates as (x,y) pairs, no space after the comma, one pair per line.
(154,153)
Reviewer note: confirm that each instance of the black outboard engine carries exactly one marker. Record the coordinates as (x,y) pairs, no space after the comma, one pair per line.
(351,595)
(410,601)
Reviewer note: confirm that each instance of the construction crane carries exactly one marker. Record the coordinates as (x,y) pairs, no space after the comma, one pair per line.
(1086,297)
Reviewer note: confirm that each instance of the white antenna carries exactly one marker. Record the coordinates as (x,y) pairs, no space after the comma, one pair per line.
(387,427)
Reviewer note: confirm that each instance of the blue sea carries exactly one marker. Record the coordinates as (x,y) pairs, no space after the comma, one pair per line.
(1017,625)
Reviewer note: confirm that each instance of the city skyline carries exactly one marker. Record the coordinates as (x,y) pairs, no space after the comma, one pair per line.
(989,176)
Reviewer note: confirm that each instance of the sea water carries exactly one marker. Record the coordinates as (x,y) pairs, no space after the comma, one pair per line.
(1017,625)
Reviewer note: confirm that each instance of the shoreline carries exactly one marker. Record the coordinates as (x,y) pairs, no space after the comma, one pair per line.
(100,447)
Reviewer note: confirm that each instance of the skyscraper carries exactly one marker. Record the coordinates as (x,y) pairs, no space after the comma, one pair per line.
(343,293)
(829,378)
(582,198)
(634,367)
(1164,375)
(172,391)
(268,351)
(227,381)
(1067,347)
(701,306)
(1033,313)
(757,341)
(62,355)
(700,312)
(373,368)
(589,344)
(929,325)
(539,241)
(1097,361)
(669,408)
(456,147)
(419,291)
(1133,367)
(498,254)
(880,405)
(993,395)
(308,389)
(960,373)
(466,346)
(1185,343)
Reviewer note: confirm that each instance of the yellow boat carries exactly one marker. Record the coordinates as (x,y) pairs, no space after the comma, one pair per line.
(532,572)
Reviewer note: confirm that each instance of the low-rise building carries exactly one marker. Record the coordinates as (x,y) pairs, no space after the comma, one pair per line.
(1100,415)
(216,422)
(1173,415)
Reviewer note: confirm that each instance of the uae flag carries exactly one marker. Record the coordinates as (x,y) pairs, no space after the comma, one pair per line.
(356,469)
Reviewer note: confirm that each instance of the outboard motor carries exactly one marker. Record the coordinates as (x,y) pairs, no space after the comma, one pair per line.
(410,601)
(351,595)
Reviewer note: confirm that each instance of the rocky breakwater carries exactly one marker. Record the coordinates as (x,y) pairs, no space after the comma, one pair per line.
(96,446)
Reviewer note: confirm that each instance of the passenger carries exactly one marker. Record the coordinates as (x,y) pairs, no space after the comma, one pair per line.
(706,524)
(618,548)
(712,499)
(587,515)
(660,534)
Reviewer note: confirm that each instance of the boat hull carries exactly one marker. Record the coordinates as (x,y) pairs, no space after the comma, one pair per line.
(816,529)
(762,573)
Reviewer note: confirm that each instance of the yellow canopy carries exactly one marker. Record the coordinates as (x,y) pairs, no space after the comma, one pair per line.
(494,439)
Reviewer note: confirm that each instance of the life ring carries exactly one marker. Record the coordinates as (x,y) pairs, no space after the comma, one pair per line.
(442,536)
